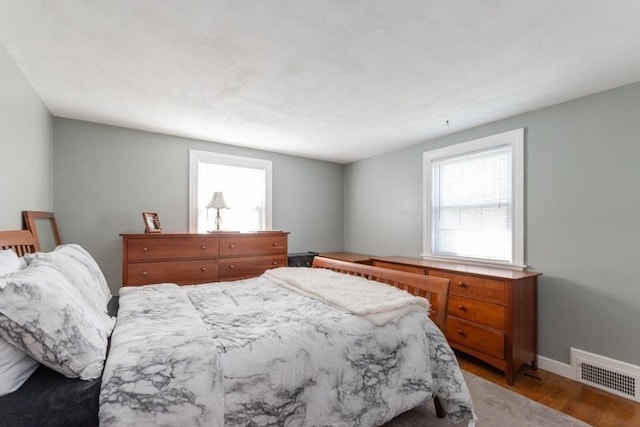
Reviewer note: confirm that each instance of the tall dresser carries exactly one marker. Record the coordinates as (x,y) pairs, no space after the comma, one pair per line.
(491,313)
(186,258)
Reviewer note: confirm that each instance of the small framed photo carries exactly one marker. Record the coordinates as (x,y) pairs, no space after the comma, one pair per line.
(151,222)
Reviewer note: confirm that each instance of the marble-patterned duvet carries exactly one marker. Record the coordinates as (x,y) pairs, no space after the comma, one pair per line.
(251,353)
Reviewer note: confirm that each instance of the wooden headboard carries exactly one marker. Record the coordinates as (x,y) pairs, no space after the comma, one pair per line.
(435,289)
(21,241)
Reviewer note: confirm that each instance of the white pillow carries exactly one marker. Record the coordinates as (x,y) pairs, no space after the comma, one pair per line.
(76,251)
(83,272)
(44,315)
(10,262)
(15,367)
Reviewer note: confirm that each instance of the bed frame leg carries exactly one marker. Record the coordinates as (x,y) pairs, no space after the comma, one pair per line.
(439,409)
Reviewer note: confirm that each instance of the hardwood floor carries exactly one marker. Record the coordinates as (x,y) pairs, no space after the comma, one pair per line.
(591,405)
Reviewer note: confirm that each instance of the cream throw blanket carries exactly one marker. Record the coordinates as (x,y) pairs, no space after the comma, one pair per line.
(377,302)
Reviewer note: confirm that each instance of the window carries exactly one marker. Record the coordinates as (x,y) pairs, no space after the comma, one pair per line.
(473,201)
(245,183)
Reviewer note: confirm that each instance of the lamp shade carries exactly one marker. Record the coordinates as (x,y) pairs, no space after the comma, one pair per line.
(217,201)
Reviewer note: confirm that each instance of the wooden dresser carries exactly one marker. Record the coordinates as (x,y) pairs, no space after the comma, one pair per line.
(186,258)
(491,314)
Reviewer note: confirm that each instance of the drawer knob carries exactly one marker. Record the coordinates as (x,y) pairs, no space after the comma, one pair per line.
(231,267)
(232,246)
(461,333)
(203,247)
(203,269)
(462,308)
(144,273)
(275,243)
(274,263)
(462,284)
(145,249)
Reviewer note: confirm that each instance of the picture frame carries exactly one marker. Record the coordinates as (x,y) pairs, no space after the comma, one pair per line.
(151,222)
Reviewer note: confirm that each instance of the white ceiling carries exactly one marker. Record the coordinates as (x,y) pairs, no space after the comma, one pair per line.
(326,79)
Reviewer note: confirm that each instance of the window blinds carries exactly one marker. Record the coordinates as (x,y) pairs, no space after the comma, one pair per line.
(472,205)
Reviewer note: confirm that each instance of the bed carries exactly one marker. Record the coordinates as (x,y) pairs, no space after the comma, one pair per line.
(48,398)
(274,350)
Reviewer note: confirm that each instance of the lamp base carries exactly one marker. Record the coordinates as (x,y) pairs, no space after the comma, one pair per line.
(218,219)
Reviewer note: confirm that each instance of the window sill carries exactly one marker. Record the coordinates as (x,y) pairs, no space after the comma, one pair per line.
(470,262)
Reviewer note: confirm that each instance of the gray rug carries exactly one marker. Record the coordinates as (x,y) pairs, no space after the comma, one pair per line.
(494,406)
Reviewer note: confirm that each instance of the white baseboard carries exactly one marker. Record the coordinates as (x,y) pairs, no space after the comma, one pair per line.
(558,368)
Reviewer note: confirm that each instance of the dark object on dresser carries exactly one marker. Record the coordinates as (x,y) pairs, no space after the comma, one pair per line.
(302,259)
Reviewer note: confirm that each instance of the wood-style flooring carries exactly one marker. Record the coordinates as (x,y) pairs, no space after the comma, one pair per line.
(591,405)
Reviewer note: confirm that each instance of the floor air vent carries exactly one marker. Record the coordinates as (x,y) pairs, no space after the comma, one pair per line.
(607,374)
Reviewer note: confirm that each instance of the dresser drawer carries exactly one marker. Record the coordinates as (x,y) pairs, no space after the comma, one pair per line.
(240,268)
(159,248)
(472,286)
(475,336)
(254,245)
(180,272)
(400,267)
(482,312)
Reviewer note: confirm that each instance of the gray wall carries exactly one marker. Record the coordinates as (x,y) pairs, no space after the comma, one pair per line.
(582,217)
(25,147)
(106,176)
(582,200)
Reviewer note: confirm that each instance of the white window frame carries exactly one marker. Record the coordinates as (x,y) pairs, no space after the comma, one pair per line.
(514,139)
(198,156)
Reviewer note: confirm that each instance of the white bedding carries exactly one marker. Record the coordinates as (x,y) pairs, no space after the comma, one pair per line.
(260,354)
(374,301)
(162,369)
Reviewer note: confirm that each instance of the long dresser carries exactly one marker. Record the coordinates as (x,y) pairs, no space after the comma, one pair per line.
(186,258)
(491,313)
